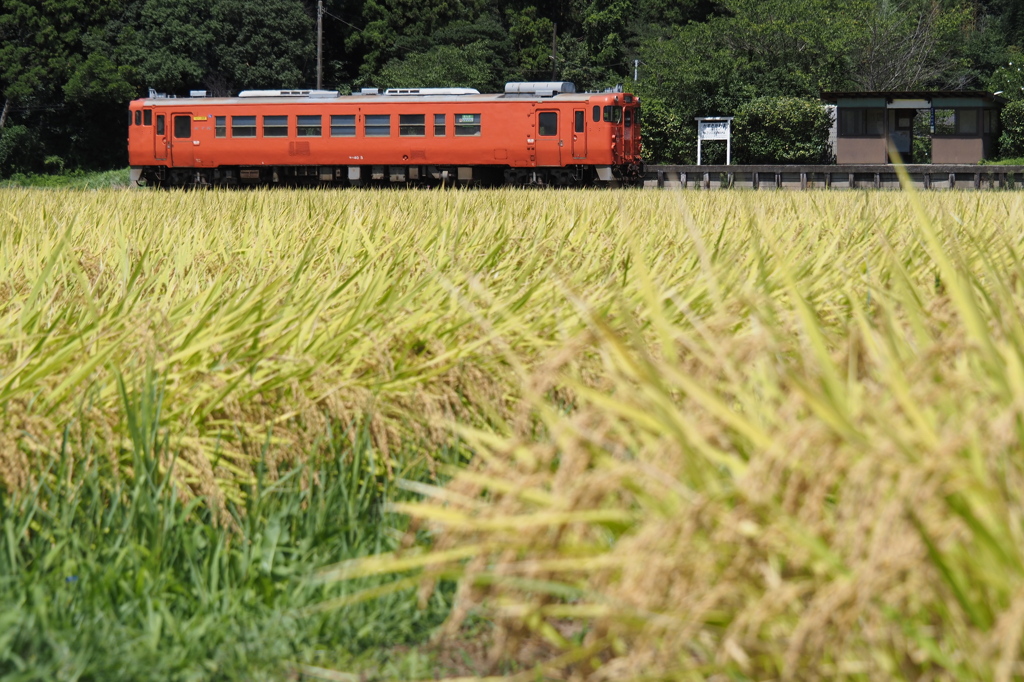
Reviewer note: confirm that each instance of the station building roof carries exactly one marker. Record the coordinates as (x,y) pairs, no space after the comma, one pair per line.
(936,97)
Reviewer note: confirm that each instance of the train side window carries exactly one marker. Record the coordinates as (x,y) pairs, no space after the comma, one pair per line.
(580,123)
(275,126)
(412,125)
(343,125)
(547,123)
(377,125)
(220,125)
(147,117)
(243,126)
(629,118)
(183,126)
(310,126)
(160,124)
(440,126)
(467,125)
(612,114)
(597,113)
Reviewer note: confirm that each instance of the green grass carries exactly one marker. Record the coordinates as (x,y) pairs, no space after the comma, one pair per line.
(109,577)
(75,179)
(1004,162)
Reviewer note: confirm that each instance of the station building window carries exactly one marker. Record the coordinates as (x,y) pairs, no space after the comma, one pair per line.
(861,122)
(377,125)
(412,125)
(467,125)
(440,125)
(990,121)
(967,121)
(243,126)
(220,126)
(309,126)
(275,126)
(945,121)
(343,125)
(147,117)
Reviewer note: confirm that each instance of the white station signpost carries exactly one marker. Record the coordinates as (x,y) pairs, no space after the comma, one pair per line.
(715,128)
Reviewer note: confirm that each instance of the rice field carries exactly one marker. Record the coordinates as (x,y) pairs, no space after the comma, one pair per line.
(658,435)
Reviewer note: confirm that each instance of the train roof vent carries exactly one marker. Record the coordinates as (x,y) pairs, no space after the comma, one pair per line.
(288,93)
(431,91)
(544,89)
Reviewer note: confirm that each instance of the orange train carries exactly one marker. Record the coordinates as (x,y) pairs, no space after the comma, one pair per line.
(533,133)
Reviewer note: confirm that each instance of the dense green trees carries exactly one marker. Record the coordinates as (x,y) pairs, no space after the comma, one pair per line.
(67,67)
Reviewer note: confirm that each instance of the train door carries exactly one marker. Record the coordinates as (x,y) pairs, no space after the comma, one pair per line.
(549,139)
(579,134)
(160,141)
(627,132)
(181,141)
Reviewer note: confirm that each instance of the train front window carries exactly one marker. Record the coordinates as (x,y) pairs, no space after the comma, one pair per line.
(183,126)
(467,125)
(629,118)
(243,126)
(275,126)
(147,117)
(412,125)
(377,125)
(547,123)
(612,114)
(343,125)
(309,126)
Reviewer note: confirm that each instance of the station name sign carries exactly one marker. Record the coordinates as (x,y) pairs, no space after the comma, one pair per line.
(713,130)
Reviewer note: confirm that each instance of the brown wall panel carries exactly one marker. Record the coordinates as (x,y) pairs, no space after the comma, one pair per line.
(956,149)
(861,150)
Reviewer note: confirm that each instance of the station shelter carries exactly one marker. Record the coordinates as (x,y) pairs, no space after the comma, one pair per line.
(963,125)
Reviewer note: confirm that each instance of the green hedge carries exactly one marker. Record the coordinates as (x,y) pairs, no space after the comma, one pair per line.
(782,130)
(1011,142)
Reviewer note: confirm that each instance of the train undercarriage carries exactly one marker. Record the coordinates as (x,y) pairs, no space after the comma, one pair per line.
(387,176)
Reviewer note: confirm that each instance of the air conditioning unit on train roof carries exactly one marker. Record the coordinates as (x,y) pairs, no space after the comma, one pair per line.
(544,89)
(288,93)
(431,91)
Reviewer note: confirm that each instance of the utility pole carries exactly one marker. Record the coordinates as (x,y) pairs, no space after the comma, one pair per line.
(320,44)
(636,70)
(554,51)
(3,115)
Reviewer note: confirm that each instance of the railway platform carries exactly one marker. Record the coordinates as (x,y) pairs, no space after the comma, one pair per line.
(847,176)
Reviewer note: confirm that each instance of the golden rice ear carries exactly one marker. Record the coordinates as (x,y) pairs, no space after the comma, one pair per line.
(787,454)
(752,435)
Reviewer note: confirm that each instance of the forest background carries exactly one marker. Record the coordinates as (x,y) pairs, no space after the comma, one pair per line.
(69,67)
